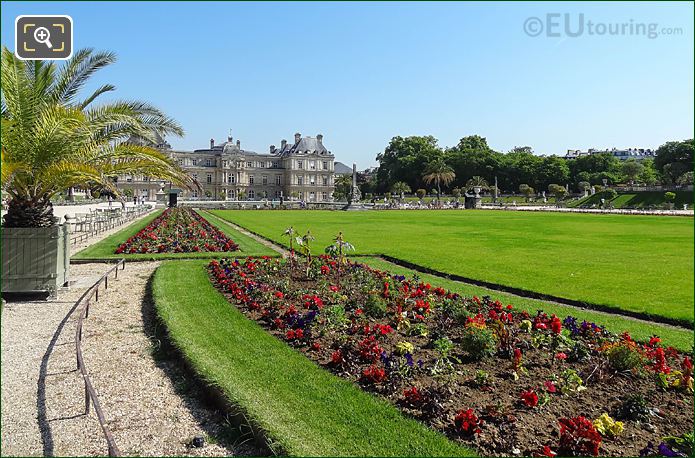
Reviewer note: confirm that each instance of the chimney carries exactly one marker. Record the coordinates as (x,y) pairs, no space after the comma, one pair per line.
(272,149)
(229,138)
(283,143)
(212,143)
(238,143)
(319,137)
(297,136)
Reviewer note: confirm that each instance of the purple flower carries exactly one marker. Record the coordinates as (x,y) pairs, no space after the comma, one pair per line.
(664,450)
(409,359)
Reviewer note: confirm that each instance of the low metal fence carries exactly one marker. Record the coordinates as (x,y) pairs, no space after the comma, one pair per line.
(90,395)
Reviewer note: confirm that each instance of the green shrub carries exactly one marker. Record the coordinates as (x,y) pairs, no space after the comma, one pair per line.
(479,342)
(335,317)
(625,356)
(375,306)
(609,194)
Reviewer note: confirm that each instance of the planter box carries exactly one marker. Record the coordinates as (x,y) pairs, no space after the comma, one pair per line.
(35,259)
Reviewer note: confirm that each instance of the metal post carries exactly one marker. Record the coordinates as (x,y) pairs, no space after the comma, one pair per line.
(86,398)
(96,296)
(106,282)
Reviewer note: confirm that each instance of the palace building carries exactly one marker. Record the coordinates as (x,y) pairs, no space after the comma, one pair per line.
(302,170)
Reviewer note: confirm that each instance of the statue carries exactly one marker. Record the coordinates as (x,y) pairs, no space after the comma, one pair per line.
(355,194)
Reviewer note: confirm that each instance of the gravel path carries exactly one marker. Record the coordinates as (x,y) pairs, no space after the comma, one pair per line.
(151,406)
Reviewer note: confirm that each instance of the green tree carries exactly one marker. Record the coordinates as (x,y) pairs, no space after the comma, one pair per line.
(526,190)
(54,140)
(439,173)
(649,175)
(343,187)
(584,186)
(632,169)
(456,193)
(671,153)
(670,197)
(421,193)
(400,188)
(405,159)
(472,157)
(477,181)
(558,191)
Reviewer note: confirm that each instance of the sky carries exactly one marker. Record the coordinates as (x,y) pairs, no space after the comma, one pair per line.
(362,73)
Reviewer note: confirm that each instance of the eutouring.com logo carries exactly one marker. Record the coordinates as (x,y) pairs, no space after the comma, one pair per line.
(568,25)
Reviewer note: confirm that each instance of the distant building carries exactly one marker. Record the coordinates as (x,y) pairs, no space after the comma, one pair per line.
(622,154)
(303,170)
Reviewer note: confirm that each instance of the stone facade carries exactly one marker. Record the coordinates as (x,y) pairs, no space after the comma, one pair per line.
(303,170)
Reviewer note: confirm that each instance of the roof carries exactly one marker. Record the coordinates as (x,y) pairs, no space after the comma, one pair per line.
(342,169)
(306,145)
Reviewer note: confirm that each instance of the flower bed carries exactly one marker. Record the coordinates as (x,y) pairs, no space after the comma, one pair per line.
(479,371)
(178,230)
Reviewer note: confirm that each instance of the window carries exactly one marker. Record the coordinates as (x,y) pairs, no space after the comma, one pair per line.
(325,180)
(195,161)
(195,176)
(325,165)
(224,164)
(312,165)
(277,179)
(251,179)
(312,197)
(128,179)
(312,180)
(180,161)
(262,164)
(277,194)
(208,162)
(300,180)
(194,193)
(264,179)
(252,194)
(324,196)
(301,195)
(300,164)
(231,178)
(249,164)
(275,164)
(208,178)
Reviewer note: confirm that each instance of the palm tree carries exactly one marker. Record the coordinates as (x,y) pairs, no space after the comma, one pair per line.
(438,172)
(477,182)
(52,140)
(401,188)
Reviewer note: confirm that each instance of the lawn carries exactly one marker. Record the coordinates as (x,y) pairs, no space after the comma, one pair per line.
(642,264)
(304,409)
(105,249)
(638,200)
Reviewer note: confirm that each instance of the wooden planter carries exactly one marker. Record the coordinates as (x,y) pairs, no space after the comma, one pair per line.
(35,259)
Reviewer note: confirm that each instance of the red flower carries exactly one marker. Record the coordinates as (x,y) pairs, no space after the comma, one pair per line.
(412,396)
(279,294)
(550,387)
(316,346)
(290,334)
(467,422)
(374,374)
(529,398)
(333,288)
(561,356)
(653,341)
(325,270)
(556,325)
(544,451)
(578,437)
(358,312)
(337,358)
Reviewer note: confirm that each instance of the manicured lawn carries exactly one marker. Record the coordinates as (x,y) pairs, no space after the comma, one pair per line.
(305,409)
(105,249)
(678,338)
(638,263)
(639,200)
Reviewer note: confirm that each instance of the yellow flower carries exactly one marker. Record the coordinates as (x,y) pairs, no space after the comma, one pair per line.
(606,426)
(404,347)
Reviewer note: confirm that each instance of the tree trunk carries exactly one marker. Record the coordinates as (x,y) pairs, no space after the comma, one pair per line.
(29,213)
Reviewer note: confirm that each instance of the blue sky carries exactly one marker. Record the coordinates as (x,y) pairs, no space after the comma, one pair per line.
(361,73)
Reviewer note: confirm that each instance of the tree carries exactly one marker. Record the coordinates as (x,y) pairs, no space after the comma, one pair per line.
(685,179)
(632,169)
(670,197)
(584,186)
(421,193)
(526,190)
(671,153)
(52,140)
(343,187)
(405,159)
(558,191)
(438,172)
(456,193)
(400,188)
(470,157)
(649,175)
(477,181)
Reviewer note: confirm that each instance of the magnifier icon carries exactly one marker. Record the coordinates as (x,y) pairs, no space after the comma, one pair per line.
(42,35)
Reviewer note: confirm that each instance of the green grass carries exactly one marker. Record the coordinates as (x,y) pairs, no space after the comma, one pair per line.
(638,200)
(642,264)
(679,338)
(105,249)
(305,409)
